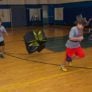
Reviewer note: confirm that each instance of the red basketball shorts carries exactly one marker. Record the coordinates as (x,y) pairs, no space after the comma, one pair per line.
(70,52)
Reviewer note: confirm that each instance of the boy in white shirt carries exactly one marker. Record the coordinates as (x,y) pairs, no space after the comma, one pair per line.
(2,43)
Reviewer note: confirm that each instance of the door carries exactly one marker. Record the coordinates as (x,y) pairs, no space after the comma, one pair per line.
(18,14)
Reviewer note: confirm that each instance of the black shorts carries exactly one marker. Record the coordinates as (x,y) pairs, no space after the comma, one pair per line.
(2,43)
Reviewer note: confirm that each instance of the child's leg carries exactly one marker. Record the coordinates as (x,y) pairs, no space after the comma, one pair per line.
(80,52)
(68,60)
(1,52)
(69,54)
(2,48)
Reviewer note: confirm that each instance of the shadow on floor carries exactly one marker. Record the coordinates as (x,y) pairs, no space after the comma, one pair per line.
(57,44)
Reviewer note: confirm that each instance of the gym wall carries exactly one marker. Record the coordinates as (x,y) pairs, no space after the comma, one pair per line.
(5,2)
(61,12)
(64,13)
(52,1)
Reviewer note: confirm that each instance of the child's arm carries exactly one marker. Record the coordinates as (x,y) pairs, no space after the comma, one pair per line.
(72,36)
(4,30)
(76,38)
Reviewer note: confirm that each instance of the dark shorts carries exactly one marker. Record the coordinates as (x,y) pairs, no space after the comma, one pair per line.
(2,43)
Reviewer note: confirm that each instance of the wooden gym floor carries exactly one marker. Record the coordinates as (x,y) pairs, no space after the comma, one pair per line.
(40,72)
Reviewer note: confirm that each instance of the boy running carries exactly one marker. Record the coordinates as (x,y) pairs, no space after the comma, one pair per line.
(73,47)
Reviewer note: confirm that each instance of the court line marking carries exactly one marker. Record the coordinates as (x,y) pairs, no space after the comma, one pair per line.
(40,62)
(17,85)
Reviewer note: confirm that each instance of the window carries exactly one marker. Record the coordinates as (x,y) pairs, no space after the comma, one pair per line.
(58,13)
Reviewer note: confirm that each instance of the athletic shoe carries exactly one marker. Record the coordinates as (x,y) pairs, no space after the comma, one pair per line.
(63,68)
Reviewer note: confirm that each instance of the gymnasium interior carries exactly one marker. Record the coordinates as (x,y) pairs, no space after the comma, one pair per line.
(21,71)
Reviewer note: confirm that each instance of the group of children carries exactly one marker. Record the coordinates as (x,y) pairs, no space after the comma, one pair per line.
(73,47)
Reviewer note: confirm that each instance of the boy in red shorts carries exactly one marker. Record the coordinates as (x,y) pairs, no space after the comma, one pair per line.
(73,47)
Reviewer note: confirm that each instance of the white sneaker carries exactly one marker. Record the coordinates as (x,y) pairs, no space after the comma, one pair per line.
(63,68)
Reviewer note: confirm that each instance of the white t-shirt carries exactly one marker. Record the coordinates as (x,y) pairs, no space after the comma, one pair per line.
(74,32)
(2,30)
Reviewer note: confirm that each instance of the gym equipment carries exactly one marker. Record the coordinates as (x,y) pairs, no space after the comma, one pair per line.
(35,41)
